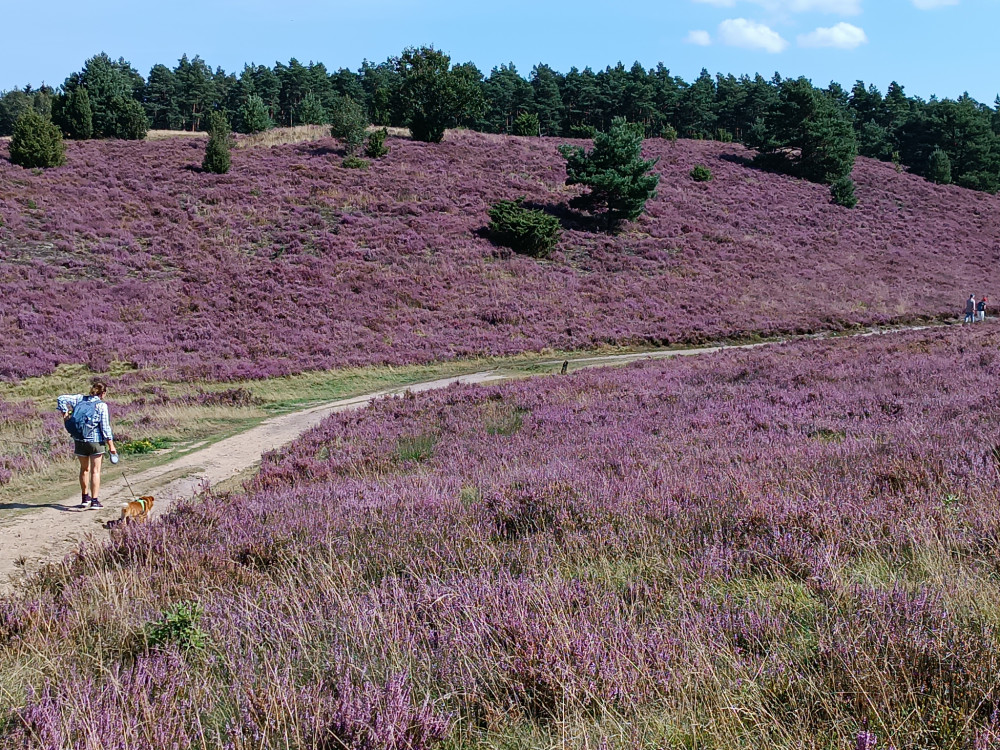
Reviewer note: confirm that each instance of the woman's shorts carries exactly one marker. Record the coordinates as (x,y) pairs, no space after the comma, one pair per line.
(88,449)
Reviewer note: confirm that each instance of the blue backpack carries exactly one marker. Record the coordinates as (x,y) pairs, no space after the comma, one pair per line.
(84,418)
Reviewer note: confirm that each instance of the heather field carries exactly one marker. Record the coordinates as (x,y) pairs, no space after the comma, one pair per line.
(293,263)
(787,547)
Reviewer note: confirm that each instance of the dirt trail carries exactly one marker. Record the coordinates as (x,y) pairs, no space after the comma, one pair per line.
(54,530)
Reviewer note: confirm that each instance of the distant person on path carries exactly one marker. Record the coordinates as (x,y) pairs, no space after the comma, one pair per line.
(88,421)
(970,309)
(981,309)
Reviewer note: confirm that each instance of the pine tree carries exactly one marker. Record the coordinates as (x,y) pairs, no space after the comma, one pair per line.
(547,99)
(434,96)
(130,122)
(375,147)
(37,142)
(525,123)
(217,157)
(161,97)
(842,192)
(311,111)
(939,168)
(618,177)
(348,123)
(808,122)
(77,117)
(253,115)
(109,84)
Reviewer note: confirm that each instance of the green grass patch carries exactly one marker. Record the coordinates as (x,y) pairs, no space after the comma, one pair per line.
(506,420)
(142,445)
(417,448)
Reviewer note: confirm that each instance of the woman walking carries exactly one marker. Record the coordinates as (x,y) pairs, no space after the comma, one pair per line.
(88,421)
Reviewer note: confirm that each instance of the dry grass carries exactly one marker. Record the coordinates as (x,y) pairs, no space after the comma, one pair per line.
(160,135)
(281,136)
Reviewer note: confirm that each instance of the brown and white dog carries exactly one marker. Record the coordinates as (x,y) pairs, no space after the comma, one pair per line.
(136,511)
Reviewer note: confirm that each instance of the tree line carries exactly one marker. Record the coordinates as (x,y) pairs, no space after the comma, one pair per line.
(946,140)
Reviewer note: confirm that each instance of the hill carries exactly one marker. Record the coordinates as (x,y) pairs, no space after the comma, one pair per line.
(292,262)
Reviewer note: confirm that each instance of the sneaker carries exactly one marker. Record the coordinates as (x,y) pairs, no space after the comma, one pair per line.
(95,504)
(84,504)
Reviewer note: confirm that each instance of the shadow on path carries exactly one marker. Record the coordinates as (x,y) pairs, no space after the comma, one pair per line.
(29,506)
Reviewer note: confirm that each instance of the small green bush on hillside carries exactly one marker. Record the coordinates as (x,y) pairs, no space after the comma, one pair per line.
(217,158)
(130,121)
(939,168)
(842,192)
(348,122)
(354,162)
(524,230)
(37,142)
(701,173)
(375,147)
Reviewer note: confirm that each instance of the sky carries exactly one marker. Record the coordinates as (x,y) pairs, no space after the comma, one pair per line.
(930,47)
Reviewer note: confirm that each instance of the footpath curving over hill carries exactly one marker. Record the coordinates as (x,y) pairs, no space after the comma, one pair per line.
(292,262)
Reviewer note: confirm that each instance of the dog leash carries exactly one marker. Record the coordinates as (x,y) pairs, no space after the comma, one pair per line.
(131,491)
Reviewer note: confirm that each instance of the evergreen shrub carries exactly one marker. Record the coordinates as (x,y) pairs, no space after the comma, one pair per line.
(254,117)
(348,123)
(37,142)
(526,123)
(524,230)
(939,167)
(217,157)
(375,147)
(701,173)
(620,181)
(842,192)
(354,162)
(130,121)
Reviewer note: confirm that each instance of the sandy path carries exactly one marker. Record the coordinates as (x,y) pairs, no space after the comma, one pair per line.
(54,530)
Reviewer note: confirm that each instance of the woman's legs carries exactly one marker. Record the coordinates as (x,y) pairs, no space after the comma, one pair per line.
(84,474)
(95,475)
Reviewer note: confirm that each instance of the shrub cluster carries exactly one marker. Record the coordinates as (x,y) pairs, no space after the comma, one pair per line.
(524,230)
(37,142)
(701,173)
(348,122)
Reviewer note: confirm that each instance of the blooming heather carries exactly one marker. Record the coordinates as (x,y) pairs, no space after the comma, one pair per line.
(291,262)
(785,547)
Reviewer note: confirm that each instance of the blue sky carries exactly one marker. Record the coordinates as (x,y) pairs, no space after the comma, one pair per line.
(942,47)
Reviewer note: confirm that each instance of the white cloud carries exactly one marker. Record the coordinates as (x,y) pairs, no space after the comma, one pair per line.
(739,32)
(931,4)
(841,36)
(700,38)
(835,7)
